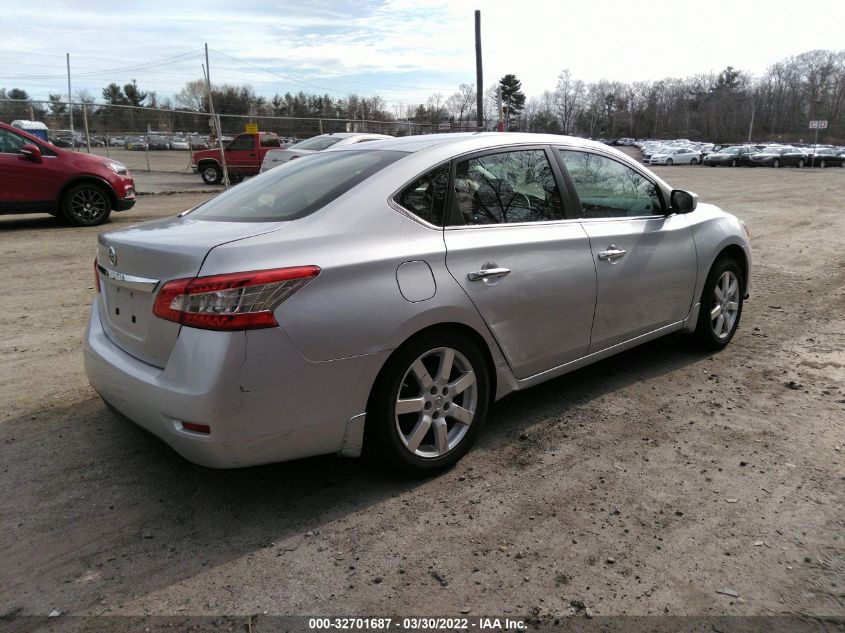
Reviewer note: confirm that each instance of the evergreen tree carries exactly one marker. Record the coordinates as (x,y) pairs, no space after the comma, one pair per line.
(513,99)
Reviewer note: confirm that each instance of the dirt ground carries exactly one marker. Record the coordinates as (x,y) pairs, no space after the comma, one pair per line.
(662,480)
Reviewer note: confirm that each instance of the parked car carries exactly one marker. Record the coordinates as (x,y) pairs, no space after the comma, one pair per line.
(390,292)
(38,177)
(780,156)
(179,143)
(199,142)
(117,141)
(61,141)
(828,157)
(158,142)
(136,143)
(733,156)
(677,156)
(319,143)
(243,155)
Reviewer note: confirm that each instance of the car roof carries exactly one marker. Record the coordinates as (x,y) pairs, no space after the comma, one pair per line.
(463,142)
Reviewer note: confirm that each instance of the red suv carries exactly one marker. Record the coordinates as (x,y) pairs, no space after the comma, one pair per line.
(38,177)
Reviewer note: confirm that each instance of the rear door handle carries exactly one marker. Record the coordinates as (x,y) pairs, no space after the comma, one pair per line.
(487,273)
(612,254)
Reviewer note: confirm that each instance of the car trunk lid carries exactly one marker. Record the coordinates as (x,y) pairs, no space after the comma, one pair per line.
(134,263)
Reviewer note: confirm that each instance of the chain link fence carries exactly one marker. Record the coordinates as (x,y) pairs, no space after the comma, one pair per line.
(158,145)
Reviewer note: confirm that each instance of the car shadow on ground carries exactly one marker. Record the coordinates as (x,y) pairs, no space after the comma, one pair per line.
(11,223)
(140,518)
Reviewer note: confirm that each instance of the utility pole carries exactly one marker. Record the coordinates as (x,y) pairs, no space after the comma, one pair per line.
(500,124)
(751,125)
(69,104)
(479,74)
(216,120)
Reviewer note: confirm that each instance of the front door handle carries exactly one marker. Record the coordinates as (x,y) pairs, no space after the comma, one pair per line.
(612,254)
(487,273)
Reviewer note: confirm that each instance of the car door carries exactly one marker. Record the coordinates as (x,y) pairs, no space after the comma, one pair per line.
(242,155)
(645,260)
(524,264)
(26,183)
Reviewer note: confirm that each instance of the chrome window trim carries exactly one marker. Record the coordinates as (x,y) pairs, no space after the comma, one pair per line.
(410,214)
(505,225)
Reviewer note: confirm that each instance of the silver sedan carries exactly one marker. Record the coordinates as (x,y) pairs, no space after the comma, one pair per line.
(382,296)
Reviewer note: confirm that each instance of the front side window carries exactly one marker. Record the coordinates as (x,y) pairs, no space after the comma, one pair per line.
(426,196)
(242,142)
(296,188)
(505,188)
(10,143)
(609,189)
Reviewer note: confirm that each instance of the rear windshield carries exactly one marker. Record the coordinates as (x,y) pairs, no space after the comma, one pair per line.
(296,188)
(318,143)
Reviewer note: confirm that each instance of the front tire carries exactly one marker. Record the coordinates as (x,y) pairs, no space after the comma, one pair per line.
(86,204)
(821,163)
(721,305)
(800,163)
(668,162)
(776,164)
(429,403)
(211,174)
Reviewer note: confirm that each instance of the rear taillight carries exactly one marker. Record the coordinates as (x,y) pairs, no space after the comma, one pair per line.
(237,301)
(96,275)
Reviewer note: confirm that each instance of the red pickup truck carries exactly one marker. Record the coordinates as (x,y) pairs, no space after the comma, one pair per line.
(243,157)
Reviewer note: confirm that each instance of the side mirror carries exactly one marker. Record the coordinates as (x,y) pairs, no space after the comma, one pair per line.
(682,201)
(30,151)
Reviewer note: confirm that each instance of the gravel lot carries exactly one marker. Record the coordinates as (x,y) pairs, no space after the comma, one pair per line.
(662,480)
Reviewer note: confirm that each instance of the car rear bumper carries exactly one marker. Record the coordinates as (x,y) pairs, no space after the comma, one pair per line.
(262,400)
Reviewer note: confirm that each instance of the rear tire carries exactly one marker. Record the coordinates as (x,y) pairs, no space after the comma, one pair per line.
(721,305)
(733,163)
(693,161)
(86,204)
(800,163)
(211,174)
(776,164)
(429,403)
(668,162)
(821,163)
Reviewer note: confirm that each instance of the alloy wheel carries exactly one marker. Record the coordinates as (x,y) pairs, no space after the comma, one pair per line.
(437,403)
(725,305)
(89,205)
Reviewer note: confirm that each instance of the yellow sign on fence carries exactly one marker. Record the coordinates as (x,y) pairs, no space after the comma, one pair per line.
(252,128)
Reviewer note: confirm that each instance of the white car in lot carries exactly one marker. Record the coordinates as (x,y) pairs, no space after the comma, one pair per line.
(676,156)
(276,157)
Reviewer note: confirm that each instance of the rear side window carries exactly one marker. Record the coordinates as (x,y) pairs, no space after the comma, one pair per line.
(268,140)
(318,143)
(609,189)
(506,188)
(296,188)
(426,197)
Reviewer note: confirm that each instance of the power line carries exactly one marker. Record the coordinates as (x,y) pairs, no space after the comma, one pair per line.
(176,59)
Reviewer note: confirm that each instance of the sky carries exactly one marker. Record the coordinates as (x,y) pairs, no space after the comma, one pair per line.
(402,50)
